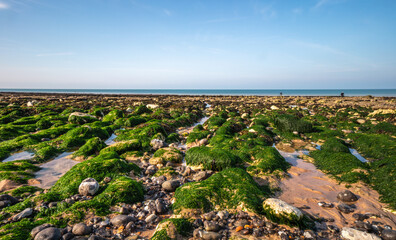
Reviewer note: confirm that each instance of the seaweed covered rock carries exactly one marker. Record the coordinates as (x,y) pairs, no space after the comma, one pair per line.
(88,187)
(164,155)
(212,158)
(335,145)
(268,160)
(173,228)
(230,188)
(113,115)
(291,123)
(122,147)
(106,165)
(81,118)
(276,208)
(120,190)
(91,147)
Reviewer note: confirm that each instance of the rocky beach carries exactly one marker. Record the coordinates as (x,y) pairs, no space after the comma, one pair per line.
(122,166)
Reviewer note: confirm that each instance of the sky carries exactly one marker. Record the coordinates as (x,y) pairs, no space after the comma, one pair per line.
(204,44)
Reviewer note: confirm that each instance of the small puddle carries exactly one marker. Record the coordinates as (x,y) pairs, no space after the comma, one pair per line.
(355,153)
(110,140)
(51,171)
(307,186)
(25,155)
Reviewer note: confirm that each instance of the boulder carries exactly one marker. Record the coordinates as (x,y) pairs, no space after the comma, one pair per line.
(121,220)
(157,144)
(50,233)
(81,229)
(171,185)
(347,196)
(353,234)
(88,187)
(25,213)
(40,228)
(388,234)
(281,208)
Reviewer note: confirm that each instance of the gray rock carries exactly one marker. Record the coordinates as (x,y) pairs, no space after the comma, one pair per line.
(151,218)
(223,214)
(353,234)
(211,226)
(50,233)
(88,187)
(389,234)
(151,170)
(25,213)
(157,144)
(160,206)
(121,220)
(11,199)
(210,235)
(94,237)
(37,229)
(241,223)
(282,208)
(347,196)
(171,185)
(200,176)
(81,229)
(345,208)
(67,236)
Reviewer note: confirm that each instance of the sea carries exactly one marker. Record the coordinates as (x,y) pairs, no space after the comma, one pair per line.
(235,92)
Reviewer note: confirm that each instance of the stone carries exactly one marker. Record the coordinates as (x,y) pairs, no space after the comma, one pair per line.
(200,176)
(88,187)
(223,214)
(11,199)
(210,235)
(171,185)
(157,144)
(151,170)
(388,234)
(353,234)
(7,184)
(25,213)
(81,229)
(280,207)
(160,206)
(121,220)
(50,233)
(211,226)
(347,196)
(273,107)
(67,236)
(38,229)
(345,208)
(151,218)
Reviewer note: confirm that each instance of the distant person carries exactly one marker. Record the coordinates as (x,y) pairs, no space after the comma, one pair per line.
(342,94)
(281,94)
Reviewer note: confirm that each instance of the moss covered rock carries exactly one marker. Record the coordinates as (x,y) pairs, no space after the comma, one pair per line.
(228,189)
(164,155)
(212,158)
(122,147)
(91,147)
(173,228)
(81,118)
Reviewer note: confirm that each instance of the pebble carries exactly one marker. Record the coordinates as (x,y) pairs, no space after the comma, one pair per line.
(170,185)
(81,229)
(121,220)
(50,233)
(347,196)
(25,213)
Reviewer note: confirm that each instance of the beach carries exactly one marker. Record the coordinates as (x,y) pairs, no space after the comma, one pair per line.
(213,166)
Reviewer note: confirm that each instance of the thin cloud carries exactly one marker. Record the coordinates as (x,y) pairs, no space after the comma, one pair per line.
(4,6)
(167,12)
(320,3)
(268,12)
(55,54)
(297,10)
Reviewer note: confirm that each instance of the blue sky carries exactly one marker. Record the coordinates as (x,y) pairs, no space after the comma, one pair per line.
(198,44)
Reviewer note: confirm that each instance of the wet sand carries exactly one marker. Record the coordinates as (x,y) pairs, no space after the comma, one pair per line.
(307,186)
(51,171)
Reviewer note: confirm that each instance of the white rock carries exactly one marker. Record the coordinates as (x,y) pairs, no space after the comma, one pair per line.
(273,107)
(29,104)
(353,234)
(88,187)
(152,106)
(281,207)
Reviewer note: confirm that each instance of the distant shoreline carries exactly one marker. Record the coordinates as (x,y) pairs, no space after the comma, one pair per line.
(215,92)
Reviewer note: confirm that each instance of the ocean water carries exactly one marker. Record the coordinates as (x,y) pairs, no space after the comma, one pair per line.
(245,92)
